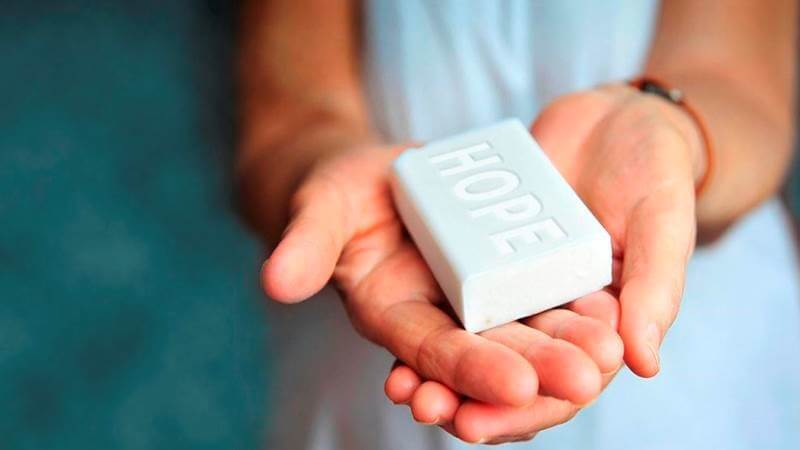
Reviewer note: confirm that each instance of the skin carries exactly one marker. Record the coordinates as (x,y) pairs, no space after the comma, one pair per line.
(314,179)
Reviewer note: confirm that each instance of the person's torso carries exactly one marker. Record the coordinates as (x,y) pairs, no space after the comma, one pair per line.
(436,68)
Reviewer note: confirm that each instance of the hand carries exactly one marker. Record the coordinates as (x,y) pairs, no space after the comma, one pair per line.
(587,323)
(343,224)
(633,159)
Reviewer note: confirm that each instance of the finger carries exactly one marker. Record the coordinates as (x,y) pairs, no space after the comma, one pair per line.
(434,403)
(564,370)
(429,341)
(659,239)
(477,422)
(401,384)
(393,307)
(592,336)
(480,422)
(600,305)
(304,259)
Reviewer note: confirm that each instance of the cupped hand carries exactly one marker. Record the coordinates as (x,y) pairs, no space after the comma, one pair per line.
(343,225)
(634,160)
(587,323)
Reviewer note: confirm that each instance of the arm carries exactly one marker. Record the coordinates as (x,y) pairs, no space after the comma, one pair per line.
(635,159)
(300,99)
(735,60)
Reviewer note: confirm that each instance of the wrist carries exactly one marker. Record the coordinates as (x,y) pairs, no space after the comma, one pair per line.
(689,122)
(269,174)
(696,145)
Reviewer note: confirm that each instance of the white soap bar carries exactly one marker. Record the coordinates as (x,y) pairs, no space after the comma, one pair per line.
(502,231)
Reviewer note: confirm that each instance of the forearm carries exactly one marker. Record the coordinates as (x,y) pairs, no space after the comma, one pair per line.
(735,64)
(300,99)
(751,142)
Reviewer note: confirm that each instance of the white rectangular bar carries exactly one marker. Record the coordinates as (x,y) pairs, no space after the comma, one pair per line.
(502,231)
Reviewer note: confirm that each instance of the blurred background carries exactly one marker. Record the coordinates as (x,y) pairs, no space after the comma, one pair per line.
(130,314)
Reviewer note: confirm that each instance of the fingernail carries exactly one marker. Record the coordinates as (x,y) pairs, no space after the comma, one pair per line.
(653,338)
(434,422)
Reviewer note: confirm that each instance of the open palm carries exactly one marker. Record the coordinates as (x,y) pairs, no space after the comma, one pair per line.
(344,226)
(630,158)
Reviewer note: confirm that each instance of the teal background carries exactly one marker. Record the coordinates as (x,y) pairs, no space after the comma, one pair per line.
(130,315)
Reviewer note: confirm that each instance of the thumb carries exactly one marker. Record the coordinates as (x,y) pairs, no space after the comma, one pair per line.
(659,239)
(304,259)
